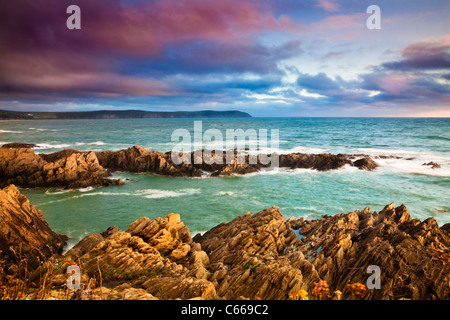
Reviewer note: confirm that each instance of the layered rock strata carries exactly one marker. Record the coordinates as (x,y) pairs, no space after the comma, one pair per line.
(68,168)
(25,236)
(254,256)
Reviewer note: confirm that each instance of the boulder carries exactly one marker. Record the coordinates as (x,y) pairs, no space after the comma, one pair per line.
(365,163)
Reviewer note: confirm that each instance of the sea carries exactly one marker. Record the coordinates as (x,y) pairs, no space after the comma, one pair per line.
(206,202)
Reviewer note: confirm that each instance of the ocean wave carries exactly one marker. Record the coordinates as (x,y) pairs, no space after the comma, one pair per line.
(97,143)
(58,191)
(10,131)
(42,146)
(403,166)
(409,154)
(42,129)
(146,193)
(226,193)
(409,161)
(303,208)
(157,194)
(87,189)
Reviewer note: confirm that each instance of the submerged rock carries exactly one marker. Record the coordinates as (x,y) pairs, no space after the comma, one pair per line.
(433,165)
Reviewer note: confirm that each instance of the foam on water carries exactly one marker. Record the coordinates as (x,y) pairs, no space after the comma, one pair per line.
(10,131)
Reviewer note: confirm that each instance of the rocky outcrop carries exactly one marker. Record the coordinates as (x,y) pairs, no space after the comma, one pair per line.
(25,236)
(68,168)
(260,256)
(158,256)
(16,145)
(212,163)
(138,159)
(74,169)
(343,246)
(255,256)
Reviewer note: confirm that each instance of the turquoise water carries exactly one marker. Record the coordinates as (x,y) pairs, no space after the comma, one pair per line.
(206,202)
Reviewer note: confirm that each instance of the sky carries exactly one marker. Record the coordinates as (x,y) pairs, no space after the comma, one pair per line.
(270,58)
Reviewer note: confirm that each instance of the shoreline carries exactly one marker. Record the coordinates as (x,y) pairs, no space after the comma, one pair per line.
(260,256)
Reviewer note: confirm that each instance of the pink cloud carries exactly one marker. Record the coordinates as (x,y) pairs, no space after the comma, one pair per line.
(328,5)
(145,29)
(426,48)
(395,83)
(39,54)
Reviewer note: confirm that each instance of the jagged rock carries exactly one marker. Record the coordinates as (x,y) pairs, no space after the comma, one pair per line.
(252,256)
(255,256)
(68,168)
(85,245)
(123,292)
(138,159)
(215,163)
(181,288)
(151,254)
(24,233)
(342,247)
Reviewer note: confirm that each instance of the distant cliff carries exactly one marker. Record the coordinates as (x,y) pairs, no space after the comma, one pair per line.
(120,114)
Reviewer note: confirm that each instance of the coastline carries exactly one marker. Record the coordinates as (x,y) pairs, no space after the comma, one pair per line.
(259,256)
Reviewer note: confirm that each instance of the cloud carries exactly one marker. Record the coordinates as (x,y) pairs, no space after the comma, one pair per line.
(128,49)
(240,54)
(215,56)
(332,55)
(329,6)
(319,82)
(423,55)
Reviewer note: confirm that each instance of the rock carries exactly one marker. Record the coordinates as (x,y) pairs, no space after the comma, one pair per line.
(365,163)
(252,256)
(138,159)
(432,164)
(150,254)
(320,162)
(16,145)
(255,257)
(24,233)
(343,246)
(68,168)
(85,245)
(175,288)
(446,227)
(217,163)
(71,168)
